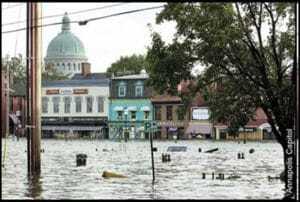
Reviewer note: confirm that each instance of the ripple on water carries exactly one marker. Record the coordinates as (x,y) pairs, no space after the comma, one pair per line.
(179,179)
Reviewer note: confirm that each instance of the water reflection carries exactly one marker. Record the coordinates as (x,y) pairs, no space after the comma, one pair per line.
(34,189)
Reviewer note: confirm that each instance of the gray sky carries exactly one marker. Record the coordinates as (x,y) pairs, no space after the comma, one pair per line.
(105,40)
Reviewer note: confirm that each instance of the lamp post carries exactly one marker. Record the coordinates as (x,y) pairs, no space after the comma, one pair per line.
(126,125)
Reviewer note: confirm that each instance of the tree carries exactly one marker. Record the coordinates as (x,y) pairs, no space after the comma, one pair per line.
(17,73)
(133,64)
(248,50)
(52,74)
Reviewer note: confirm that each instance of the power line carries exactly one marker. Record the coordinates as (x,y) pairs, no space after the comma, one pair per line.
(84,22)
(13,6)
(71,13)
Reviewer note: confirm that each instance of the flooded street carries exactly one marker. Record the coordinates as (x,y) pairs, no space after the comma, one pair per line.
(181,178)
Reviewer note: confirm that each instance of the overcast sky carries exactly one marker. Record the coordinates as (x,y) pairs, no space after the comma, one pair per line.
(105,40)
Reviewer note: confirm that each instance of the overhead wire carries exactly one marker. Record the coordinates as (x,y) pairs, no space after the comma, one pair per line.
(84,22)
(12,6)
(70,13)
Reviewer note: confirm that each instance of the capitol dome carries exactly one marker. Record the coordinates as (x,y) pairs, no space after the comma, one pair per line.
(66,52)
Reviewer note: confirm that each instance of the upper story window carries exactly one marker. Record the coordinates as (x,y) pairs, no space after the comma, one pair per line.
(169,113)
(45,101)
(157,112)
(100,104)
(56,101)
(78,101)
(122,89)
(139,88)
(89,104)
(67,101)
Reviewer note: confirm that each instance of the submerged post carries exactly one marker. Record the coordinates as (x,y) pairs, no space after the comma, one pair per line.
(34,66)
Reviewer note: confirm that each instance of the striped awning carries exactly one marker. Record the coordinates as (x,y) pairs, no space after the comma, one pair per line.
(74,128)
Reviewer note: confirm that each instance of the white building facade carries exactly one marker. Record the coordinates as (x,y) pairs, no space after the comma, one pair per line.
(75,107)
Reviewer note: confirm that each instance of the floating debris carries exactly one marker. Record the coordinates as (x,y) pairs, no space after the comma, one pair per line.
(251,151)
(107,174)
(212,150)
(177,148)
(232,177)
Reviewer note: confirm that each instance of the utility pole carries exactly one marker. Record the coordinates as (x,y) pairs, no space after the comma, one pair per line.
(33,71)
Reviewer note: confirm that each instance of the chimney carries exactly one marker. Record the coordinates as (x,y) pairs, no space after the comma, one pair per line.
(86,68)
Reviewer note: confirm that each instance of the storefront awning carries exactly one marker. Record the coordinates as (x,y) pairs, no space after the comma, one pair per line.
(118,108)
(132,108)
(172,129)
(199,128)
(145,108)
(74,128)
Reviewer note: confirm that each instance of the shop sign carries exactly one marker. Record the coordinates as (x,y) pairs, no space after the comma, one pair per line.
(200,114)
(52,91)
(80,91)
(66,91)
(247,129)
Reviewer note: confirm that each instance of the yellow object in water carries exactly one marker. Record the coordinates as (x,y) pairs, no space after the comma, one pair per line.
(111,174)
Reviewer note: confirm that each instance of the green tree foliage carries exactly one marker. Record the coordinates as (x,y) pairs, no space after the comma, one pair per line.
(248,51)
(17,73)
(133,64)
(52,74)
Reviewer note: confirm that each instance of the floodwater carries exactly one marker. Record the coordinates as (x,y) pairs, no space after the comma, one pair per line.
(181,178)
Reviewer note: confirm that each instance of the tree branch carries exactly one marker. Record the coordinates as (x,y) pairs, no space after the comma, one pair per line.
(273,45)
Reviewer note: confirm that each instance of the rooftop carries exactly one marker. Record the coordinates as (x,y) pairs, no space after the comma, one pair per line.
(93,79)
